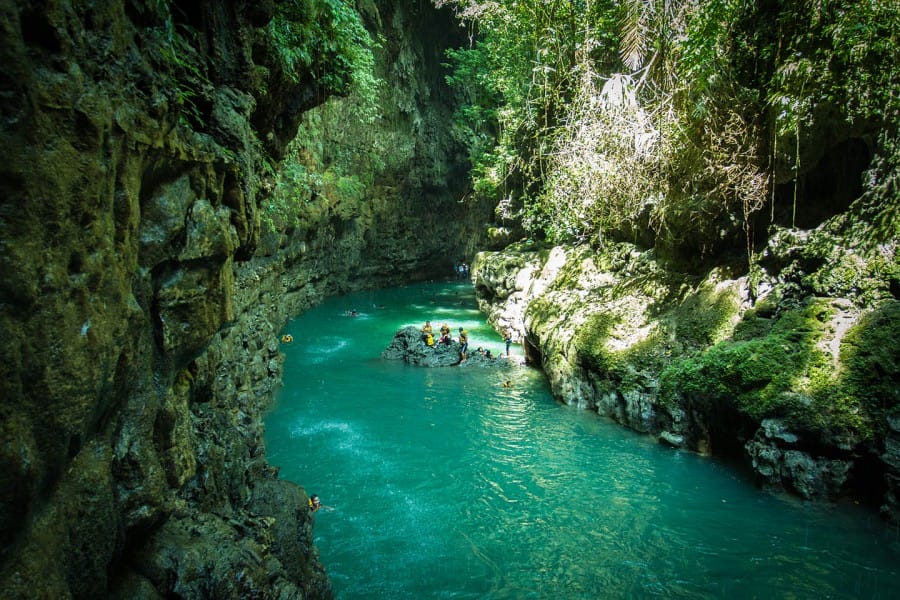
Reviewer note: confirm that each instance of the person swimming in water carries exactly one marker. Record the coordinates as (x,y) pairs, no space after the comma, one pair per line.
(315,504)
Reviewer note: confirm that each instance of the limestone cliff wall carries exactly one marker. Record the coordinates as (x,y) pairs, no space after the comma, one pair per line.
(792,371)
(141,292)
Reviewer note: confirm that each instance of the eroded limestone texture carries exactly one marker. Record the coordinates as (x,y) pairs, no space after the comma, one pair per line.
(141,298)
(793,380)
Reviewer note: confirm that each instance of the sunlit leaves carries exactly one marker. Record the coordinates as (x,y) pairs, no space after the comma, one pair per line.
(724,92)
(634,34)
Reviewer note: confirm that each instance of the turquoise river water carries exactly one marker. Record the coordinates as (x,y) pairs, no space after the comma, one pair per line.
(443,483)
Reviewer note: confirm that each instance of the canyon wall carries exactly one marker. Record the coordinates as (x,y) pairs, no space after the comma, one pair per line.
(791,370)
(144,280)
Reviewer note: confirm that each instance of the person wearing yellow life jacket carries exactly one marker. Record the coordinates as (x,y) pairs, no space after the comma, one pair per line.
(463,344)
(315,504)
(426,331)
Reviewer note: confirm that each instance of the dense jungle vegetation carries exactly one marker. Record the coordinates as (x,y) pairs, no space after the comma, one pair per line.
(675,123)
(668,121)
(328,40)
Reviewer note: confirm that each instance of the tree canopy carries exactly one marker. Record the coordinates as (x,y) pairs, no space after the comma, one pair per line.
(673,119)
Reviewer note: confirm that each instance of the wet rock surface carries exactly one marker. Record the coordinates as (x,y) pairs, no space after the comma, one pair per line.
(134,388)
(409,345)
(695,359)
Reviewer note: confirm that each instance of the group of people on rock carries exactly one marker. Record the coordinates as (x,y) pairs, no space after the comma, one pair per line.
(463,339)
(446,338)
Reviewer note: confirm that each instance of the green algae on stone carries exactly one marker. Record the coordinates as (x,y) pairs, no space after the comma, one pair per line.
(784,373)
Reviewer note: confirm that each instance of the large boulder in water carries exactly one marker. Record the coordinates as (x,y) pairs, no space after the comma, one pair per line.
(408,345)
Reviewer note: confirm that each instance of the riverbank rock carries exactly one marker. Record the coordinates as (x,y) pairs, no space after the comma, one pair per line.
(791,370)
(409,346)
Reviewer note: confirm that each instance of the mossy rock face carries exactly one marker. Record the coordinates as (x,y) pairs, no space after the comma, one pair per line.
(140,298)
(788,373)
(703,360)
(871,365)
(129,185)
(760,375)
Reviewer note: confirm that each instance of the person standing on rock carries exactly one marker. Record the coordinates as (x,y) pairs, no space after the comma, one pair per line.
(507,337)
(463,344)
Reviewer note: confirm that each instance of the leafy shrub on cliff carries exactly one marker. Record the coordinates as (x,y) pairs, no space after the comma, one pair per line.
(323,39)
(329,43)
(717,105)
(785,373)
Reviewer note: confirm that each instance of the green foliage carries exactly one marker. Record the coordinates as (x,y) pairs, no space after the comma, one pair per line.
(178,45)
(601,173)
(515,79)
(720,97)
(325,41)
(476,121)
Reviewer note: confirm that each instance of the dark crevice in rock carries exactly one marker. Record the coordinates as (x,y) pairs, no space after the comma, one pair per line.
(825,190)
(37,31)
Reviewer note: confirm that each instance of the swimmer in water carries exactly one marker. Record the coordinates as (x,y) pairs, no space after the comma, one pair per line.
(315,504)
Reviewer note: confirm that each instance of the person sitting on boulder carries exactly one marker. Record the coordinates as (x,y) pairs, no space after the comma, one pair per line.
(445,334)
(464,344)
(427,331)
